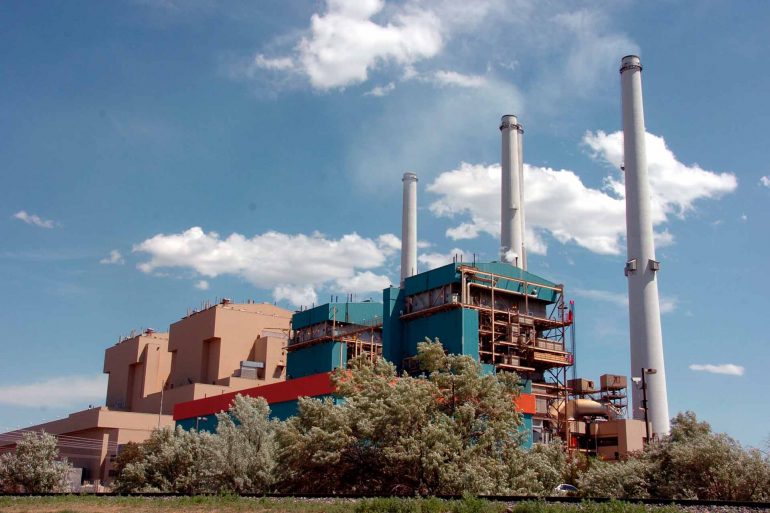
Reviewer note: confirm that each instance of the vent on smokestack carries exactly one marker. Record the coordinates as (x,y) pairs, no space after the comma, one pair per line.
(511,208)
(409,227)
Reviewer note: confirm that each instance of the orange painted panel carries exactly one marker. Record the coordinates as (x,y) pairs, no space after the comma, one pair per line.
(526,403)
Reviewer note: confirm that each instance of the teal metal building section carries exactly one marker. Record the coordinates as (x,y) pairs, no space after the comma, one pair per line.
(457,329)
(327,335)
(207,423)
(449,274)
(393,307)
(314,359)
(349,313)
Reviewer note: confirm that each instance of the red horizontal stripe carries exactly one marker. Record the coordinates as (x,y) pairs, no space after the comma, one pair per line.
(308,386)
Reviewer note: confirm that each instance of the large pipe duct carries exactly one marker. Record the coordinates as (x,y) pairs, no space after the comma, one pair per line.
(641,268)
(511,212)
(579,408)
(409,227)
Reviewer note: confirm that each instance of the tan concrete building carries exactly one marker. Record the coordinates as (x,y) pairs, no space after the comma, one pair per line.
(220,349)
(90,439)
(223,348)
(137,366)
(616,439)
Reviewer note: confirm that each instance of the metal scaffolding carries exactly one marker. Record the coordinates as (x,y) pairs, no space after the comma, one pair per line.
(361,338)
(517,332)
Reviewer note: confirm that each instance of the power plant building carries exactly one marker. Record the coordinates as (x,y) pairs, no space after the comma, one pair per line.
(498,313)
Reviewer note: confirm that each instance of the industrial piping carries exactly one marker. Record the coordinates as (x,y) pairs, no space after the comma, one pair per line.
(511,210)
(409,227)
(646,335)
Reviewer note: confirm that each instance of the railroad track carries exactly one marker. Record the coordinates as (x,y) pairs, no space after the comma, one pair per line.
(687,503)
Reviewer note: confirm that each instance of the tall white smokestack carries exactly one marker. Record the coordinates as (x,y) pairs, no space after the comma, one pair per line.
(522,216)
(641,268)
(409,227)
(511,223)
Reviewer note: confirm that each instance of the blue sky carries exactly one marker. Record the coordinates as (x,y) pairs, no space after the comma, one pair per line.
(155,155)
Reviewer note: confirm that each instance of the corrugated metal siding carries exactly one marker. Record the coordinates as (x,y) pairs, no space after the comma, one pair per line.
(431,279)
(392,329)
(316,359)
(357,313)
(448,274)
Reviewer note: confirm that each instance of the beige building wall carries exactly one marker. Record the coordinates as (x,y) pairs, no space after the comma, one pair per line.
(208,346)
(89,439)
(137,367)
(199,357)
(629,434)
(172,396)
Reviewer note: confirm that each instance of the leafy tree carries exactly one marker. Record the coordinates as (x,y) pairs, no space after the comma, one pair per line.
(629,479)
(451,430)
(541,469)
(243,456)
(694,462)
(171,461)
(34,467)
(239,458)
(129,453)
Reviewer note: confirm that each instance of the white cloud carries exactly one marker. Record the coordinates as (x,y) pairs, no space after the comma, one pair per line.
(453,78)
(296,294)
(675,186)
(293,266)
(568,51)
(32,219)
(722,368)
(765,181)
(558,203)
(381,90)
(202,285)
(280,64)
(389,243)
(365,281)
(663,239)
(350,39)
(434,260)
(115,258)
(344,44)
(56,392)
